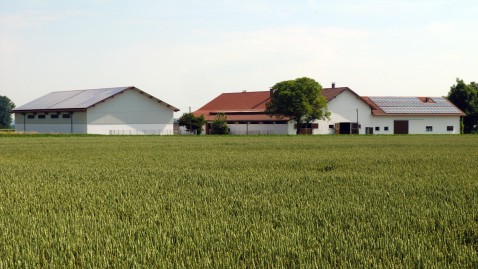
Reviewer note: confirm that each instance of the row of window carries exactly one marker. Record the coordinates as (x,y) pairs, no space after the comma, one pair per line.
(430,128)
(52,116)
(427,128)
(256,122)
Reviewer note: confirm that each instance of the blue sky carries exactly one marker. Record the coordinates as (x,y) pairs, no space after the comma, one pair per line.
(188,52)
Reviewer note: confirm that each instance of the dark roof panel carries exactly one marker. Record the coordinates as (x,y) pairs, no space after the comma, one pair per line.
(412,105)
(48,100)
(87,98)
(75,100)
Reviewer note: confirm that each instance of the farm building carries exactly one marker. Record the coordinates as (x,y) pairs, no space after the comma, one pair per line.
(350,114)
(122,110)
(412,115)
(245,113)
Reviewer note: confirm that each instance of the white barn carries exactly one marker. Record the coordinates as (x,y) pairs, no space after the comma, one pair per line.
(412,115)
(388,115)
(350,114)
(121,110)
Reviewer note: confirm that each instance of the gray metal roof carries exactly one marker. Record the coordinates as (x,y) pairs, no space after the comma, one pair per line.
(74,100)
(415,105)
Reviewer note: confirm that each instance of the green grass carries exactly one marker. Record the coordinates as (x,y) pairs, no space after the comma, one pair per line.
(222,202)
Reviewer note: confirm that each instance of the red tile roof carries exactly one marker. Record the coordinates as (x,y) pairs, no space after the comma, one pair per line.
(250,106)
(238,106)
(331,93)
(238,101)
(245,106)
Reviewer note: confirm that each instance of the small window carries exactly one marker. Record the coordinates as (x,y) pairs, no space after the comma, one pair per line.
(331,126)
(66,116)
(377,128)
(54,116)
(429,128)
(449,128)
(385,128)
(41,116)
(31,116)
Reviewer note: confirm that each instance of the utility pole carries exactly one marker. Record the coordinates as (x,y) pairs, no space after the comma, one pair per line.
(357,123)
(190,123)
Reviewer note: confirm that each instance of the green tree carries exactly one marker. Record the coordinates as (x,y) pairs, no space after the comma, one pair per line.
(6,105)
(300,100)
(219,124)
(465,97)
(192,123)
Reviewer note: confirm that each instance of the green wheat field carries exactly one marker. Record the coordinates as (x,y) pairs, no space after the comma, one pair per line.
(238,202)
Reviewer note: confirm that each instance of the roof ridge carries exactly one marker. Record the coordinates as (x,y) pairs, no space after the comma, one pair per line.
(244,92)
(402,96)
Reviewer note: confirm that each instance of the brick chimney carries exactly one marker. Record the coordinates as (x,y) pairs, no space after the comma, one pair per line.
(333,85)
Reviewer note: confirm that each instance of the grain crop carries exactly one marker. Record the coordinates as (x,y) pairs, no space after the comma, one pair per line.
(238,202)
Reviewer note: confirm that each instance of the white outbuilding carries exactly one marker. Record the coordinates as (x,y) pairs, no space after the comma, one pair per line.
(120,110)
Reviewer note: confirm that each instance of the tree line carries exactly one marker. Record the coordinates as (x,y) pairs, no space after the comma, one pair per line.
(465,97)
(6,106)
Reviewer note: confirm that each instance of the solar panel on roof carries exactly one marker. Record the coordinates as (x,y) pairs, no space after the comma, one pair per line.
(87,98)
(48,100)
(414,105)
(71,99)
(420,110)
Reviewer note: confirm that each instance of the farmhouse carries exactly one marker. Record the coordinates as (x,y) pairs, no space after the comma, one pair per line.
(121,110)
(350,114)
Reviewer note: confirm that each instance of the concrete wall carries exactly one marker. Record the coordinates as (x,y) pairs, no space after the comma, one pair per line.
(130,112)
(75,124)
(255,129)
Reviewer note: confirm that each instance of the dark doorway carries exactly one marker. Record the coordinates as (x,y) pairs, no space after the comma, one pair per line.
(346,128)
(400,127)
(306,128)
(368,130)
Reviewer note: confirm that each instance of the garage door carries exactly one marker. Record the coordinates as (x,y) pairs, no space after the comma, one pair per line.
(400,127)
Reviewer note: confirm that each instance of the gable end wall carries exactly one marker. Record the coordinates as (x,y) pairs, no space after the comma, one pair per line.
(130,113)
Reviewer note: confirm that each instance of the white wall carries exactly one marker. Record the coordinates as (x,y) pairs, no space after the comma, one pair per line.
(344,108)
(130,112)
(131,129)
(417,124)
